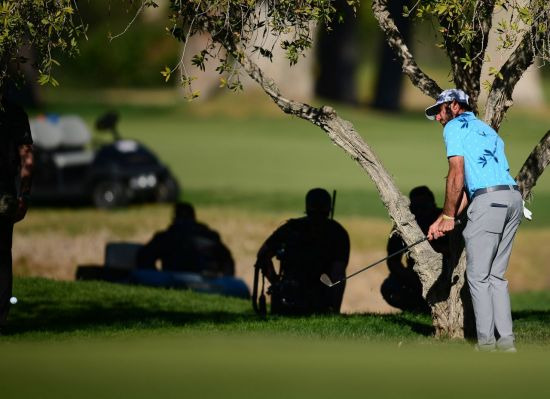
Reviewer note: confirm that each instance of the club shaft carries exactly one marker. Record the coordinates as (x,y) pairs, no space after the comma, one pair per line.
(381,260)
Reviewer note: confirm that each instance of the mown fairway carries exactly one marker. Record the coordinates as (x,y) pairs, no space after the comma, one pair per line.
(247,167)
(240,150)
(92,340)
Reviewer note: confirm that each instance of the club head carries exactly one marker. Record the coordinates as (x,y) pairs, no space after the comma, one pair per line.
(325,279)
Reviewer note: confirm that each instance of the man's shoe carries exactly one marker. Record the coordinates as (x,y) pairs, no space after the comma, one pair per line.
(506,345)
(485,348)
(511,349)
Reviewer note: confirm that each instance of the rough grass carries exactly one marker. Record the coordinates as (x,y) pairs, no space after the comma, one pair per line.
(89,340)
(53,242)
(247,166)
(240,150)
(49,309)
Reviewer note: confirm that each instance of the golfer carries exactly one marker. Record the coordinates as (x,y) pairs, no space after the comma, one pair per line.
(479,174)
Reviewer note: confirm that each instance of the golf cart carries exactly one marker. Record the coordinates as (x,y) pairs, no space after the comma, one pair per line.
(115,174)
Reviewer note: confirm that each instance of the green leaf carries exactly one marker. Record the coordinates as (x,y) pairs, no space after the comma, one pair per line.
(167,72)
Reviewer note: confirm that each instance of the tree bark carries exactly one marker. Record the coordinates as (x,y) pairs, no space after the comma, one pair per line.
(533,167)
(443,280)
(428,263)
(448,295)
(500,96)
(468,78)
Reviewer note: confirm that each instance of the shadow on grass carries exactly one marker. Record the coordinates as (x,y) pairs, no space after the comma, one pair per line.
(46,317)
(54,317)
(532,315)
(418,324)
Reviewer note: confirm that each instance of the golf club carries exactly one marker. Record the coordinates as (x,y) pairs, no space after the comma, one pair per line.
(325,279)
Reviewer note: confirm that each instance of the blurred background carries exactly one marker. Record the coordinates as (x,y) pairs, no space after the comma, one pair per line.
(245,165)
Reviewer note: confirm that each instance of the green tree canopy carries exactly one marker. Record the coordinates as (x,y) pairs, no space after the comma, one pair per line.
(46,26)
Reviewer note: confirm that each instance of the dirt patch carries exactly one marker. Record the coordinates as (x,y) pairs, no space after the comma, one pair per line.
(53,243)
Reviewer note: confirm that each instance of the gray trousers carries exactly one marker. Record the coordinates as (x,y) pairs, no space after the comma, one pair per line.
(493,219)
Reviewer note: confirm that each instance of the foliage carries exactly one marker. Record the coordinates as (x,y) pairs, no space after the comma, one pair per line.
(130,61)
(459,22)
(45,25)
(253,25)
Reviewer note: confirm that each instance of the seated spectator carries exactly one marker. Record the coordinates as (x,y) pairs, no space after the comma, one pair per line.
(187,246)
(402,289)
(306,248)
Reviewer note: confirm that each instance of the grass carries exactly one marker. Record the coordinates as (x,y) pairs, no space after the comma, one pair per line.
(84,309)
(246,167)
(231,367)
(53,310)
(239,150)
(92,339)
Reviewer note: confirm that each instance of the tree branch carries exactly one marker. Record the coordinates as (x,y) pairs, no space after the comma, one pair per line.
(395,40)
(500,96)
(343,134)
(533,167)
(468,78)
(483,21)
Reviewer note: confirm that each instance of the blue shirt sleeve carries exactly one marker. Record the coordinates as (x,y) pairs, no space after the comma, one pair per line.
(453,140)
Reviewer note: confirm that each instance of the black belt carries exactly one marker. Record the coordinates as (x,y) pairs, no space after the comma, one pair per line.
(494,188)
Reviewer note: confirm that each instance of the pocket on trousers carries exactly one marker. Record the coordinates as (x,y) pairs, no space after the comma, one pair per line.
(495,218)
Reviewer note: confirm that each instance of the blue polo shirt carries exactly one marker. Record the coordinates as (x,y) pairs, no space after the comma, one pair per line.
(485,163)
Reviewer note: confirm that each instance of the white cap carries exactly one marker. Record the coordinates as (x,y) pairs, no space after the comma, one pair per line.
(446,96)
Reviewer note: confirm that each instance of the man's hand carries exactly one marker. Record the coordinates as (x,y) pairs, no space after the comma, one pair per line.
(264,262)
(22,207)
(440,227)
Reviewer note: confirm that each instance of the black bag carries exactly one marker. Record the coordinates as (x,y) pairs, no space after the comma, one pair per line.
(288,297)
(8,206)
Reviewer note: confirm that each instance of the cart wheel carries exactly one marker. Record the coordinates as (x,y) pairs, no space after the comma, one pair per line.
(168,190)
(109,194)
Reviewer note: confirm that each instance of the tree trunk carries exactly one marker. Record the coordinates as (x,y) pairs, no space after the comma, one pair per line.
(449,296)
(443,280)
(428,263)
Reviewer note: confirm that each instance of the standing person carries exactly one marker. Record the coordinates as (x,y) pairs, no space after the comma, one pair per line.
(306,247)
(479,174)
(16,164)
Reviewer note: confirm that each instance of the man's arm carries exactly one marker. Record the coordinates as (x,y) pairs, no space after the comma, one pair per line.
(264,261)
(454,199)
(25,174)
(147,255)
(455,186)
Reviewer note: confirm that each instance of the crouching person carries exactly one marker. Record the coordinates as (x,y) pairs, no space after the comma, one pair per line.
(306,248)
